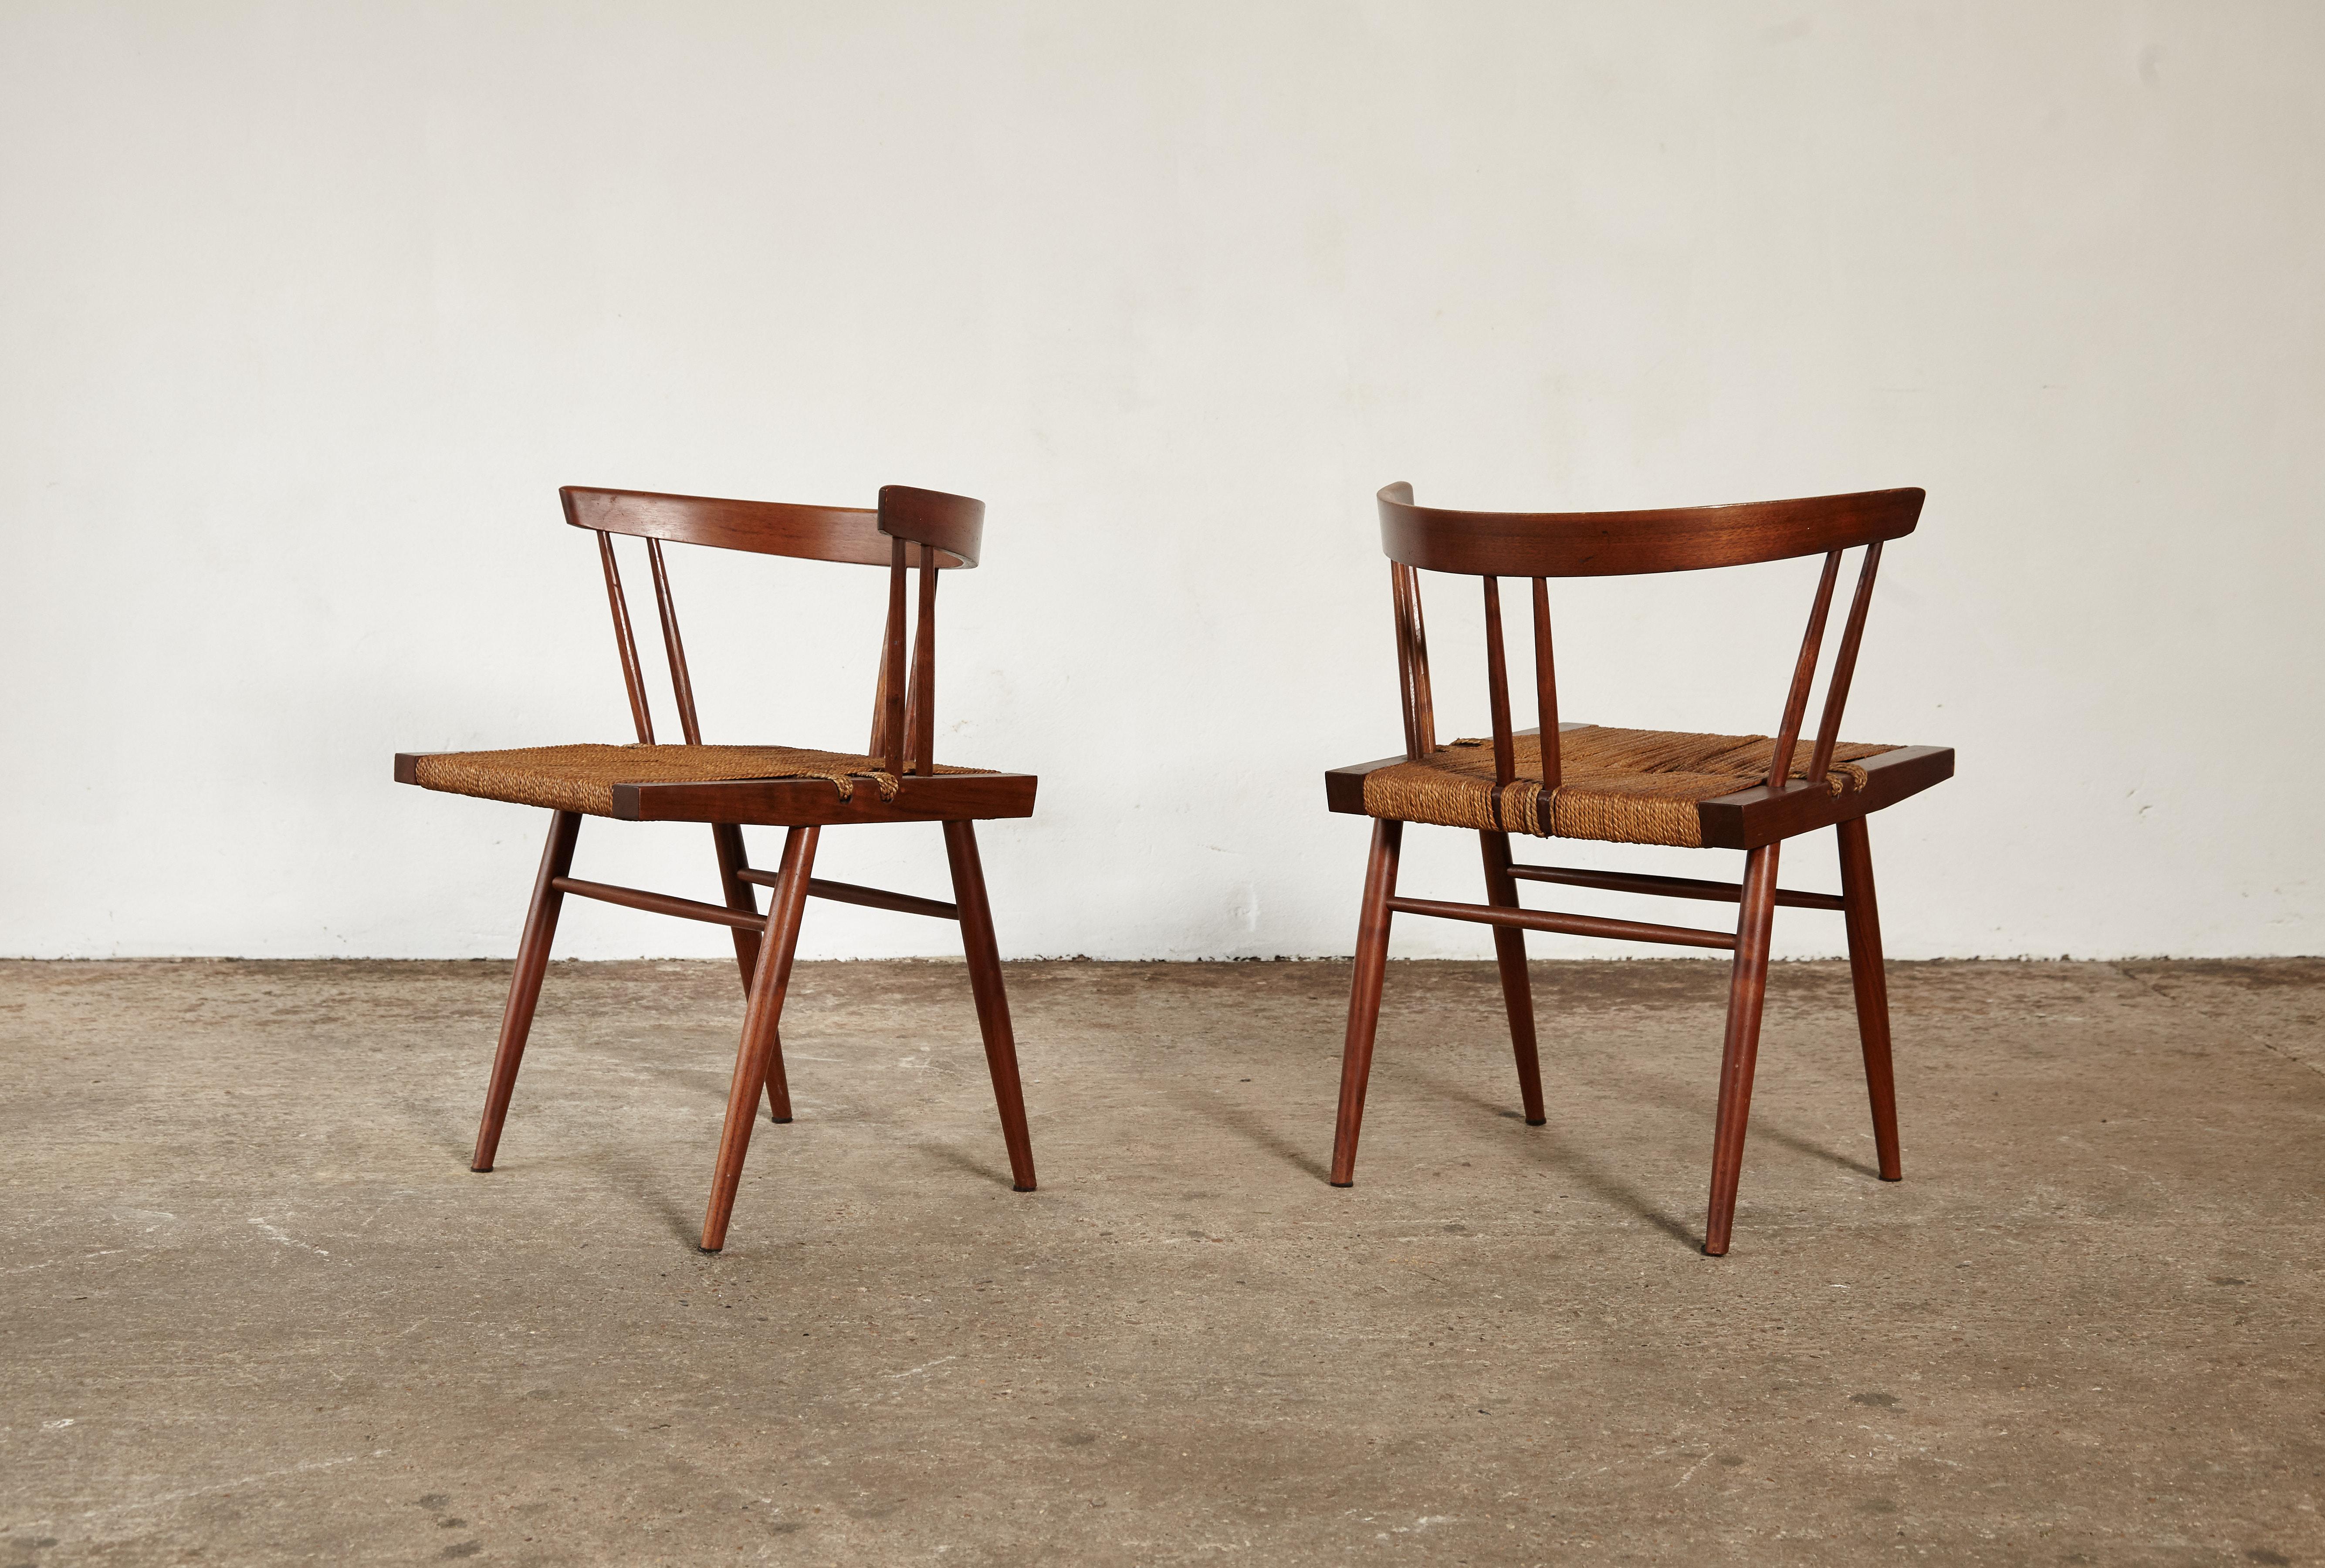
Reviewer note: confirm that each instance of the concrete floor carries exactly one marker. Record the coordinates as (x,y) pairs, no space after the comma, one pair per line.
(254,1308)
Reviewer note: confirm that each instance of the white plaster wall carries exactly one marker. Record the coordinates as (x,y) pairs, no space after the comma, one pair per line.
(307,311)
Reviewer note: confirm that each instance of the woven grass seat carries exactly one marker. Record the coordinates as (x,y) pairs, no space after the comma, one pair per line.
(1619,785)
(581,777)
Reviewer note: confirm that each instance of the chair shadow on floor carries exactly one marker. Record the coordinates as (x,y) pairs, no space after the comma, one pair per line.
(1640,1086)
(442,1125)
(960,1159)
(1247,1126)
(1560,1154)
(684,1223)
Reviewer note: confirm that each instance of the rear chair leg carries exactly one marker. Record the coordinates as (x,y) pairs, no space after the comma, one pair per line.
(985,983)
(1518,989)
(524,985)
(755,1062)
(1864,921)
(779,1084)
(1364,996)
(1748,988)
(732,858)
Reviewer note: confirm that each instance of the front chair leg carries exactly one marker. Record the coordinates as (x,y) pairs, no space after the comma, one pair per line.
(1518,989)
(1364,996)
(755,1062)
(1748,988)
(732,857)
(1864,921)
(524,985)
(985,983)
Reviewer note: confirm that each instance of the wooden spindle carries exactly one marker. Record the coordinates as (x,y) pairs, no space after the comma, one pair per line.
(681,685)
(912,724)
(1413,631)
(1545,686)
(632,676)
(892,667)
(1498,682)
(923,704)
(877,746)
(1400,592)
(1843,667)
(1796,701)
(1404,657)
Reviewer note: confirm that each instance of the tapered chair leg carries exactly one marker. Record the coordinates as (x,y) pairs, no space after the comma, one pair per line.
(1863,919)
(985,983)
(524,985)
(1747,989)
(1517,987)
(1364,996)
(755,1061)
(732,858)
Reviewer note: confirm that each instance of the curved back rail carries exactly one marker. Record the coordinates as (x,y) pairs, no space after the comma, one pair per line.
(922,528)
(1492,544)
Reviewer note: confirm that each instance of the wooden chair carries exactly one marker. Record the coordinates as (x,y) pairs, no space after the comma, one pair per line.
(804,790)
(1747,792)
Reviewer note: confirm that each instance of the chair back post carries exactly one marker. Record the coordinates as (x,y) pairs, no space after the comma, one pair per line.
(1545,686)
(938,527)
(888,702)
(633,678)
(920,702)
(1411,662)
(682,684)
(877,744)
(1411,644)
(1796,700)
(1498,684)
(1844,665)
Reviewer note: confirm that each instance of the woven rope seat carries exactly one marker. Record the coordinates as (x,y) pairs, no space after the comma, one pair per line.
(582,777)
(1620,786)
